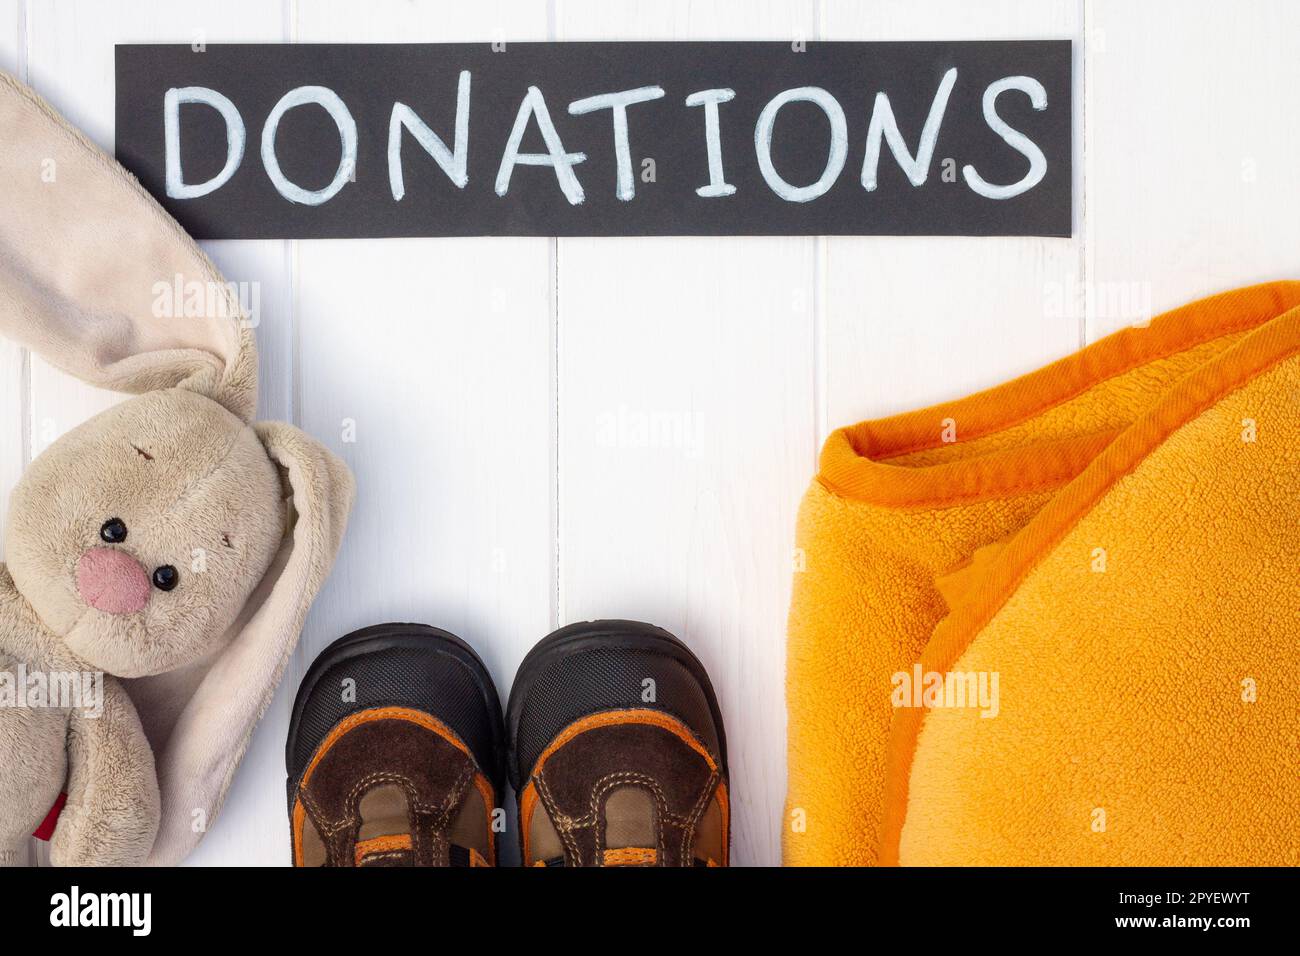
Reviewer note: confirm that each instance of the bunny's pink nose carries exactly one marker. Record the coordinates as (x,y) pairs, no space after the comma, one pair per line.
(112,581)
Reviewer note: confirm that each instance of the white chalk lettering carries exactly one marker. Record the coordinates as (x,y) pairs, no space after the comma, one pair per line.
(839,145)
(347,127)
(455,163)
(883,124)
(618,103)
(236,137)
(1013,138)
(555,156)
(709,99)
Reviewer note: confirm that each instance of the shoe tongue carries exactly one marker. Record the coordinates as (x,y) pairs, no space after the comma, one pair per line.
(386,826)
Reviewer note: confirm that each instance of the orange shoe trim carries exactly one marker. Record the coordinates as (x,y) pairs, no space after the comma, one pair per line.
(631,856)
(381,844)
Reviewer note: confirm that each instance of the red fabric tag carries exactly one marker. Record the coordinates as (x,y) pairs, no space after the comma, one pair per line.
(46,829)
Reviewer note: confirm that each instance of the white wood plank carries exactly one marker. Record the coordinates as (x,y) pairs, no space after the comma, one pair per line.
(912,321)
(70,46)
(262,269)
(1192,183)
(687,433)
(12,30)
(440,352)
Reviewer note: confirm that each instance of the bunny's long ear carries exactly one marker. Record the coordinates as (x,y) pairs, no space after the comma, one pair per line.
(98,279)
(199,758)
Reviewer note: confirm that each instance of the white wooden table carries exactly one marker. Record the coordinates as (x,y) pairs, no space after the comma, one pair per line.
(499,498)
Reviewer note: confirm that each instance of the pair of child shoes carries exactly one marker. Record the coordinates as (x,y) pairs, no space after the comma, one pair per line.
(398,753)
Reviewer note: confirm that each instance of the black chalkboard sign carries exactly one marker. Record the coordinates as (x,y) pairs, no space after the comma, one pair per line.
(602,139)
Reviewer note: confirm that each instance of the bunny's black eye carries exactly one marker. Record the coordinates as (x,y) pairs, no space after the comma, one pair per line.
(166,578)
(113,531)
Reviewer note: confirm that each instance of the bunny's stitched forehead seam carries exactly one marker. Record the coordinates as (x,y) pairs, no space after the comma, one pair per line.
(201,480)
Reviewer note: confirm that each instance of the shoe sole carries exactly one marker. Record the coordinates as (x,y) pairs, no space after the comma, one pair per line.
(593,635)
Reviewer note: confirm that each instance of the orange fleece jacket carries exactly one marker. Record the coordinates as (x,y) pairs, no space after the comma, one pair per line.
(1101,556)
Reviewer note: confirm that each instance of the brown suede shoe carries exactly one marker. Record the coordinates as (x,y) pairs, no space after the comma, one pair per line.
(617,751)
(395,753)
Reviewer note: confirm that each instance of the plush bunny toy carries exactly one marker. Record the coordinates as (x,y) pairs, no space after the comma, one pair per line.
(167,542)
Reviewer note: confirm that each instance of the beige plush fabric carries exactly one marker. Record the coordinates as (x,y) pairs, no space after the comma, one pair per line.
(83,249)
(249,516)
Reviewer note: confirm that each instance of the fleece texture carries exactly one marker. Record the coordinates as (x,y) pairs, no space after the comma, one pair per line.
(1110,542)
(246,517)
